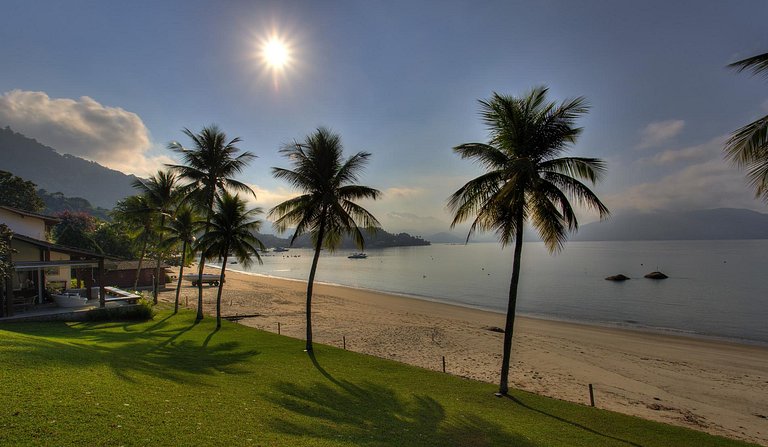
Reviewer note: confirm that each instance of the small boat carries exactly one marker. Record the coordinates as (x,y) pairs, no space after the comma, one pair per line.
(279,249)
(357,256)
(208,278)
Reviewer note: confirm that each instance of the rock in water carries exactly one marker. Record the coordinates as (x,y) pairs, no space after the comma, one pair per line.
(618,277)
(656,275)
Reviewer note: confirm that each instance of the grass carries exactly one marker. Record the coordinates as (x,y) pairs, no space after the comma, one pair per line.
(173,382)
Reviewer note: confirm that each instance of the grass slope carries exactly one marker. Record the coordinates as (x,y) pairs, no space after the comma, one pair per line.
(173,382)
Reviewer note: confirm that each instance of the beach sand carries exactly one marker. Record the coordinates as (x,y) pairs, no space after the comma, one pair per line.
(708,385)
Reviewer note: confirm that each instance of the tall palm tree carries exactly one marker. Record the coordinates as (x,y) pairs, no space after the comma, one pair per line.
(181,230)
(525,181)
(748,146)
(231,230)
(162,194)
(136,213)
(326,209)
(208,167)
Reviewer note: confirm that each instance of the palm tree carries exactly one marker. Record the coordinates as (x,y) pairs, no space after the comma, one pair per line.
(748,146)
(326,209)
(209,166)
(137,214)
(181,230)
(231,230)
(524,181)
(162,193)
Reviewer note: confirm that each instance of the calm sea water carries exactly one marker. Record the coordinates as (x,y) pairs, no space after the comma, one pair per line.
(716,288)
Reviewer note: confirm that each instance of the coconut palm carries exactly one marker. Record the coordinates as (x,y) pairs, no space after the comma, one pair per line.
(181,230)
(326,209)
(208,167)
(231,230)
(748,146)
(525,181)
(136,213)
(162,194)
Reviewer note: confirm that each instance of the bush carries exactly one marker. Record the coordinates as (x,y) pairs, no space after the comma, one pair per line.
(141,311)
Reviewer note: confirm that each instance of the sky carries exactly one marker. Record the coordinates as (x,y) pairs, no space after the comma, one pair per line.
(116,81)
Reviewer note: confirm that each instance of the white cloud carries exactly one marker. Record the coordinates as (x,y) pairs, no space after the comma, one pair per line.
(267,198)
(110,136)
(711,183)
(403,193)
(659,132)
(708,150)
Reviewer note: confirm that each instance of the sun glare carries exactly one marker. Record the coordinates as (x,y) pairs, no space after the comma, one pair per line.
(275,53)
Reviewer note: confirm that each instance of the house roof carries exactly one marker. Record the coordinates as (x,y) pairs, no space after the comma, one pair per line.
(60,248)
(49,220)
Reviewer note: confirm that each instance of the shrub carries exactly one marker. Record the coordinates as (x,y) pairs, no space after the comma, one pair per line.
(141,311)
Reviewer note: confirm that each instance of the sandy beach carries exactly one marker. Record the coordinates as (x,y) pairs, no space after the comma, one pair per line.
(709,385)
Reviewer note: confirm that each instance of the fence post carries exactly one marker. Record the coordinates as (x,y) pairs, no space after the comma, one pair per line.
(591,396)
(443,363)
(344,341)
(278,328)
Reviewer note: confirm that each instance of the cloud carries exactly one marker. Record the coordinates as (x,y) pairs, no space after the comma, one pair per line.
(403,193)
(110,136)
(659,132)
(267,198)
(709,183)
(706,150)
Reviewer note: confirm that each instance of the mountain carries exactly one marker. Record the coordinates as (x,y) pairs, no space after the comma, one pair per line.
(721,223)
(72,176)
(381,239)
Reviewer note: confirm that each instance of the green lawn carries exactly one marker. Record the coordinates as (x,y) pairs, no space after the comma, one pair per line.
(172,382)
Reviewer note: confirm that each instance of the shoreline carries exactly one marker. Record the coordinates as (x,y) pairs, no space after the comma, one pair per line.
(672,332)
(708,385)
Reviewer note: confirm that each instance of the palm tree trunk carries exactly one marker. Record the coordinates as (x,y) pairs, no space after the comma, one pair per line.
(311,281)
(221,287)
(201,267)
(510,323)
(156,285)
(181,273)
(141,260)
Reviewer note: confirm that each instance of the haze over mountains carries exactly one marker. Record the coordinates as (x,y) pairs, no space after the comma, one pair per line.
(54,172)
(103,187)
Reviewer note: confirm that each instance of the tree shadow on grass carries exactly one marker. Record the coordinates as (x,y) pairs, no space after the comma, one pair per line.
(368,413)
(572,423)
(131,349)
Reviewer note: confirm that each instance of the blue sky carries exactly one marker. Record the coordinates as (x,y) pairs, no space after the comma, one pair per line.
(116,81)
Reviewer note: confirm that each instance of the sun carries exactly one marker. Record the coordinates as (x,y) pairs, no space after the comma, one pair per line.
(275,53)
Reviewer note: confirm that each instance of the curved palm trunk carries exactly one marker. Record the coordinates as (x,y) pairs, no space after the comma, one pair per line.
(156,285)
(181,273)
(510,323)
(221,287)
(141,261)
(311,281)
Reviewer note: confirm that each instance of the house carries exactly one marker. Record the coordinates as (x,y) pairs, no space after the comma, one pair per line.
(42,268)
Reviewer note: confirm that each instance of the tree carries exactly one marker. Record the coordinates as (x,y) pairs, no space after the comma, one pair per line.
(19,193)
(525,181)
(135,213)
(77,230)
(181,230)
(209,167)
(748,146)
(326,209)
(161,194)
(6,265)
(231,230)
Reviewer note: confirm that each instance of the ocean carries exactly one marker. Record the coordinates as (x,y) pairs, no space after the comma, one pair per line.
(715,288)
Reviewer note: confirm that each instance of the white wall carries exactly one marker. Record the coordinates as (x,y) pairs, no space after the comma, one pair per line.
(27,225)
